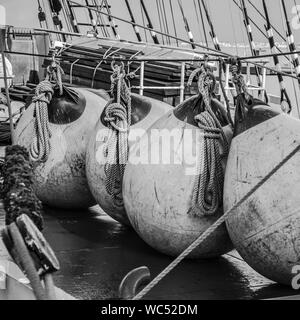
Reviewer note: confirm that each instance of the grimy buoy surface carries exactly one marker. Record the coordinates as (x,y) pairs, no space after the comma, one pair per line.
(60,181)
(266,228)
(144,112)
(158,191)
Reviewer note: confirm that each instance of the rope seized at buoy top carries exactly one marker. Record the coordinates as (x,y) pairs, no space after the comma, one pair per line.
(41,146)
(208,191)
(118,120)
(203,237)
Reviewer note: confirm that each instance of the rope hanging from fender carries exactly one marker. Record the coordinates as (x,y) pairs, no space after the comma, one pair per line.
(207,195)
(41,147)
(118,120)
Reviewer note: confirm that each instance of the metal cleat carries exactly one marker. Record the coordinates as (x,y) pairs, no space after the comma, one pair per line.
(133,281)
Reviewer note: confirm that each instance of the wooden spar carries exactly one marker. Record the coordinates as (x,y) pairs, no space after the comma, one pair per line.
(212,29)
(93,21)
(269,29)
(251,40)
(111,21)
(135,27)
(150,25)
(72,17)
(187,27)
(291,42)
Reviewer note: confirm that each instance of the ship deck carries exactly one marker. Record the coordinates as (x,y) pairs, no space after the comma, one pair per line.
(96,252)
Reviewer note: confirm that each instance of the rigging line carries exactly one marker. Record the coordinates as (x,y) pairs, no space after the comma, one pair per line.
(233,28)
(91,16)
(291,45)
(105,29)
(160,20)
(150,25)
(99,22)
(111,20)
(158,32)
(284,94)
(257,27)
(144,22)
(66,16)
(290,39)
(135,27)
(297,9)
(158,60)
(251,41)
(212,30)
(73,17)
(203,23)
(173,19)
(198,19)
(186,24)
(258,11)
(166,21)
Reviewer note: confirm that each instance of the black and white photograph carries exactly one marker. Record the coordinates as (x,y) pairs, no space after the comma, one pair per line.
(149,152)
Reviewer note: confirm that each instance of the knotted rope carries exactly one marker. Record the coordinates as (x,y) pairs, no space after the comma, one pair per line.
(41,146)
(238,78)
(207,195)
(118,120)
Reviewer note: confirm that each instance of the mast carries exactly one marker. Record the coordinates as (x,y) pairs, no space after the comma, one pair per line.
(150,25)
(212,29)
(291,42)
(187,27)
(269,29)
(135,27)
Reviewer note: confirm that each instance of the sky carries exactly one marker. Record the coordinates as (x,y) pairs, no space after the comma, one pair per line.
(224,13)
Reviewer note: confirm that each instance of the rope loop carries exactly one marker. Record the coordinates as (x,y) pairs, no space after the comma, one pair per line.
(117,116)
(237,77)
(41,147)
(207,195)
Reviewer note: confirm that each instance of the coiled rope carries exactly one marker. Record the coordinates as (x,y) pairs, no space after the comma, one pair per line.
(41,146)
(207,195)
(214,227)
(118,120)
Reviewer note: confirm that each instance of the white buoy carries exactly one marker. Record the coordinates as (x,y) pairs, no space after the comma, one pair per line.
(61,180)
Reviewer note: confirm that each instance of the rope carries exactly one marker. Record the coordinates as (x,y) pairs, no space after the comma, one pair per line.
(207,195)
(41,146)
(118,119)
(213,228)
